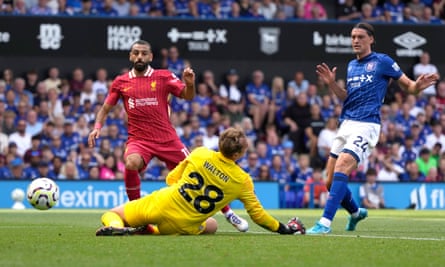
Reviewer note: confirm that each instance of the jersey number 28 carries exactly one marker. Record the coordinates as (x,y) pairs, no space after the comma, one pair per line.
(200,199)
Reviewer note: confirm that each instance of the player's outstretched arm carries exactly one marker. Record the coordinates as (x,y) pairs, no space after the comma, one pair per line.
(422,82)
(100,119)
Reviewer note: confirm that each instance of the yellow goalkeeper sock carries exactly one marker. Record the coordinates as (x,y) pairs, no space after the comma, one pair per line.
(112,219)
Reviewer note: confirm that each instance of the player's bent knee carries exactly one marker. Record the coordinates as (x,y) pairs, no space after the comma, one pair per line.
(211,226)
(134,162)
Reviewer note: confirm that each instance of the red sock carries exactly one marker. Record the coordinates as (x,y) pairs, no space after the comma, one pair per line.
(225,209)
(132,184)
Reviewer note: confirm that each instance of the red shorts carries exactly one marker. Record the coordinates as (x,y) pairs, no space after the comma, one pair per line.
(171,152)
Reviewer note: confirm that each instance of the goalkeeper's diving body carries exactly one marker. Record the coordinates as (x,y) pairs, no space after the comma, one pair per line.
(198,188)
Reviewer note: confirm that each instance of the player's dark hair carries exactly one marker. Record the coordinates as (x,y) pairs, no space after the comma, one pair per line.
(231,142)
(368,28)
(141,42)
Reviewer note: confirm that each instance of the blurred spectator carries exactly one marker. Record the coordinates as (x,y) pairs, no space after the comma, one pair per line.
(21,94)
(393,10)
(41,8)
(327,107)
(43,170)
(278,102)
(255,11)
(326,138)
(289,159)
(31,81)
(368,14)
(313,97)
(253,165)
(58,149)
(268,9)
(347,11)
(107,9)
(312,131)
(425,161)
(371,193)
(21,138)
(210,138)
(436,136)
(86,9)
(258,96)
(416,7)
(412,173)
(277,170)
(264,174)
(408,16)
(87,92)
(314,10)
(20,7)
(17,167)
(297,117)
(428,16)
(172,61)
(108,169)
(229,90)
(68,171)
(122,7)
(101,82)
(8,77)
(423,67)
(33,126)
(77,80)
(9,126)
(296,86)
(235,11)
(315,190)
(408,152)
(53,81)
(34,150)
(389,171)
(4,141)
(93,173)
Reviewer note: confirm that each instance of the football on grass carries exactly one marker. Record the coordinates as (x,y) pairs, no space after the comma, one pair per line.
(42,193)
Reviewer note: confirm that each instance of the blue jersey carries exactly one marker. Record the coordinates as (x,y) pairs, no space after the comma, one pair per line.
(366,84)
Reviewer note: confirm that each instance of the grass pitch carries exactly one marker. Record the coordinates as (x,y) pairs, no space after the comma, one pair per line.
(67,238)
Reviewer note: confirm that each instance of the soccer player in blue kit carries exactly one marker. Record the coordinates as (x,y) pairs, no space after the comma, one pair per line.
(368,77)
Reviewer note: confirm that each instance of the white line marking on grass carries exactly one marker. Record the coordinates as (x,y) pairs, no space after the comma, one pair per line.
(358,236)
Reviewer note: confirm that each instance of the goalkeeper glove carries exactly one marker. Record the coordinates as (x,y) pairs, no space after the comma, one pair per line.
(294,226)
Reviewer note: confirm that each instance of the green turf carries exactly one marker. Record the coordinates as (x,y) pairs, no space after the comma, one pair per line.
(66,238)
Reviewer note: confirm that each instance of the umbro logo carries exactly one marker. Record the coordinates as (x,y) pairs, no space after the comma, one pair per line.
(409,40)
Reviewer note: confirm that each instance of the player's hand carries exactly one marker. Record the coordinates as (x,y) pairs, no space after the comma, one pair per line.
(92,137)
(293,227)
(188,75)
(325,73)
(426,80)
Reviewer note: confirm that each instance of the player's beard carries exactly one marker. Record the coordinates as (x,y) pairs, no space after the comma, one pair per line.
(140,66)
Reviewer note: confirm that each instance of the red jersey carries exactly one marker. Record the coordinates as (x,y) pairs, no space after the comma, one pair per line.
(145,100)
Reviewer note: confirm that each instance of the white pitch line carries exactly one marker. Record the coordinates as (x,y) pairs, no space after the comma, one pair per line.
(359,236)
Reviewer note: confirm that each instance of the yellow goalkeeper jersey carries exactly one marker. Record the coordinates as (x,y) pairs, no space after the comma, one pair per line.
(203,184)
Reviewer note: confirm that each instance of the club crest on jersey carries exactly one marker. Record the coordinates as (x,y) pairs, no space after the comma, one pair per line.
(153,86)
(370,66)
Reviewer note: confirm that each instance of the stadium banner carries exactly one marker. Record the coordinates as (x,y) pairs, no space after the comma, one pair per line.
(108,194)
(243,44)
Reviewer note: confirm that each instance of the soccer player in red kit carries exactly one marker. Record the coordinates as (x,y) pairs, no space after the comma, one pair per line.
(144,92)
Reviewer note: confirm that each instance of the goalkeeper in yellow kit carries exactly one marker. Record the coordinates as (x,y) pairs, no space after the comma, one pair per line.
(200,186)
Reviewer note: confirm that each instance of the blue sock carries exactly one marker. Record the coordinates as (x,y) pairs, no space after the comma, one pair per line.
(336,195)
(348,202)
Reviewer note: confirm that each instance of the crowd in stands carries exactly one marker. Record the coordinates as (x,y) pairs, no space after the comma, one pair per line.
(393,11)
(290,122)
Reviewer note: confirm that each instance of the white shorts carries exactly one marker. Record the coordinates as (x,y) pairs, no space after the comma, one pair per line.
(356,138)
